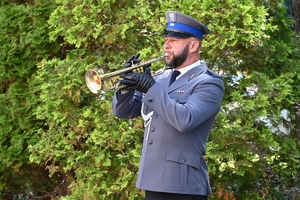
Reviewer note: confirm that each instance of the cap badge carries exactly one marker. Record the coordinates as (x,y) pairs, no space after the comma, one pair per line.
(172,16)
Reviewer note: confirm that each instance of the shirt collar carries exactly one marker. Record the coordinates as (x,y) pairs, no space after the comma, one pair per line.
(187,68)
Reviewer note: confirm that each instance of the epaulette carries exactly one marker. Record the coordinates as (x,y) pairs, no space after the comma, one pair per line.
(213,74)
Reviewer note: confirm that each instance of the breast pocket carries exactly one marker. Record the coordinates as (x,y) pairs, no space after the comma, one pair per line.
(182,170)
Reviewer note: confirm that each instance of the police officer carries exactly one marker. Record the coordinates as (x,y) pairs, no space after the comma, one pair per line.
(179,109)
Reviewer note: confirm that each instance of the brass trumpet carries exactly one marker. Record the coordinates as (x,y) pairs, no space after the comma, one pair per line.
(94,79)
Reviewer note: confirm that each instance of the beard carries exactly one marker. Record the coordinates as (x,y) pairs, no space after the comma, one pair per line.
(179,59)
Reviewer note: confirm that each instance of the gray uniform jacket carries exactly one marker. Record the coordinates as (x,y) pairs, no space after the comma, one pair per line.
(178,120)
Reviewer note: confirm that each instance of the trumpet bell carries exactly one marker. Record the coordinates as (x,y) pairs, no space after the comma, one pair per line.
(93,80)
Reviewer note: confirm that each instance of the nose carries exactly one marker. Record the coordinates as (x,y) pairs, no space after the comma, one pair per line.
(166,45)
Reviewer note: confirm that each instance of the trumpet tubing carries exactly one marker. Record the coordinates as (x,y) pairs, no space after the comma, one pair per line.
(95,79)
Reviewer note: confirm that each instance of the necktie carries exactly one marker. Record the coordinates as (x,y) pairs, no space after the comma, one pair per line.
(173,77)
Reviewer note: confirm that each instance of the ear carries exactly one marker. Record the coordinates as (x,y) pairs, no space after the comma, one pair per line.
(194,45)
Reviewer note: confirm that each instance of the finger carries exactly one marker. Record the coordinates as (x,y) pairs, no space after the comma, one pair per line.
(147,69)
(130,59)
(126,65)
(130,76)
(127,82)
(134,61)
(124,74)
(137,56)
(146,66)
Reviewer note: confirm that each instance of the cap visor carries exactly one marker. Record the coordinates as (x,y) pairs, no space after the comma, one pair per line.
(175,34)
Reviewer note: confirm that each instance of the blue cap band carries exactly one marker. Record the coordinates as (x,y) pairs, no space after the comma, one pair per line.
(185,28)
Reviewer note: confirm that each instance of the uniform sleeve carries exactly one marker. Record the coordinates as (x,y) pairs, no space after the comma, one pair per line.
(127,105)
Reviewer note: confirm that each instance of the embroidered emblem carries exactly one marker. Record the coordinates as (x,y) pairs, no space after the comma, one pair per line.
(172,16)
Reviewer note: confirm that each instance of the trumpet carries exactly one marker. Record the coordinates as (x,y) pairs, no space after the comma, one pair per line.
(94,78)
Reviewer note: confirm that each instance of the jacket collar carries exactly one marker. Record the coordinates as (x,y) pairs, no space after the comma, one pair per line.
(187,76)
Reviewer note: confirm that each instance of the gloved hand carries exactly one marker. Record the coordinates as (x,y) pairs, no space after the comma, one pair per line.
(140,82)
(131,60)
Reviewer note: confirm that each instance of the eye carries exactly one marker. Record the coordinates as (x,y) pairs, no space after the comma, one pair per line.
(172,39)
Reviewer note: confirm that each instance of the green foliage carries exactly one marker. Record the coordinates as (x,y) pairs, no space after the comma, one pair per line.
(251,125)
(238,27)
(66,142)
(24,42)
(81,135)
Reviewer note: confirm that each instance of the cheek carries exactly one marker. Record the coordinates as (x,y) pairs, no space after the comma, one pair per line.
(176,49)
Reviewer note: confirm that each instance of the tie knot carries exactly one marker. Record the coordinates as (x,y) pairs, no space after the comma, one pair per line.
(175,73)
(173,76)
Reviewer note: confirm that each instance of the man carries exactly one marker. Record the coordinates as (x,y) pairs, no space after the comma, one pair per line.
(178,116)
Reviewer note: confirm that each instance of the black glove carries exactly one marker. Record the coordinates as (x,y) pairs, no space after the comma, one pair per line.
(131,60)
(140,82)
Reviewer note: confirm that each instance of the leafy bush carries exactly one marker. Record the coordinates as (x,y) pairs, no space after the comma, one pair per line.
(59,141)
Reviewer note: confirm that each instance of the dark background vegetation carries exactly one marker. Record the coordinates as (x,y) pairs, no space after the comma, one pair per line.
(59,141)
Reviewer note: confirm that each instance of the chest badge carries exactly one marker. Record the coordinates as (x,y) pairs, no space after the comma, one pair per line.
(192,76)
(180,91)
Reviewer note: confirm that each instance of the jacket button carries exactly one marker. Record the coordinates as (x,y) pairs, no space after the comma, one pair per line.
(150,142)
(150,100)
(152,129)
(183,160)
(155,116)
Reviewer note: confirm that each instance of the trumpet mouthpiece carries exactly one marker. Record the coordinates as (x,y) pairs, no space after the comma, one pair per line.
(166,54)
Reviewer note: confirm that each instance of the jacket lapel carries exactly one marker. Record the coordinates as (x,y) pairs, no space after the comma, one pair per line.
(185,78)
